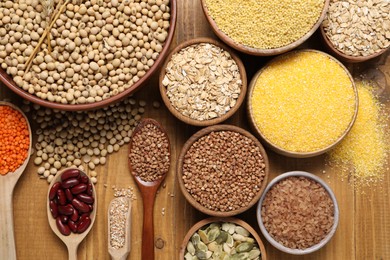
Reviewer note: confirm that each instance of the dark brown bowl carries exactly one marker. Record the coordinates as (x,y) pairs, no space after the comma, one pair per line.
(236,221)
(263,52)
(191,121)
(344,57)
(179,170)
(8,81)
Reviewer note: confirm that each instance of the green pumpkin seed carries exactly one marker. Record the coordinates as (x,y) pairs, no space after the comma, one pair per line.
(230,241)
(254,253)
(201,255)
(191,248)
(188,256)
(213,246)
(241,231)
(203,236)
(222,237)
(239,237)
(213,234)
(202,246)
(244,247)
(240,256)
(195,239)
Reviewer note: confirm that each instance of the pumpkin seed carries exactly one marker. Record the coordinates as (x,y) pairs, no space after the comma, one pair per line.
(244,247)
(191,248)
(254,253)
(213,234)
(242,231)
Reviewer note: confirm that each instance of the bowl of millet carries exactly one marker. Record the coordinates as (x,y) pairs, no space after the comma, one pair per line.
(80,55)
(222,170)
(298,213)
(264,28)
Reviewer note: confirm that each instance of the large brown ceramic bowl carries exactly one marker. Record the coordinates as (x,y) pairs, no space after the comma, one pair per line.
(198,205)
(8,81)
(262,52)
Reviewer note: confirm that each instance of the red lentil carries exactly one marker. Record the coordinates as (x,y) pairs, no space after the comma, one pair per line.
(14,139)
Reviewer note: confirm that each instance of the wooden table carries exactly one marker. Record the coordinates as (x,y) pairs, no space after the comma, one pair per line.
(364,227)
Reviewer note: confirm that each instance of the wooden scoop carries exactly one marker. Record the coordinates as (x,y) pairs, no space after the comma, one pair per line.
(148,192)
(123,252)
(73,240)
(7,185)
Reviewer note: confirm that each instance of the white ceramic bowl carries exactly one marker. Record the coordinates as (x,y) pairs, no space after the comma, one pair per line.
(275,243)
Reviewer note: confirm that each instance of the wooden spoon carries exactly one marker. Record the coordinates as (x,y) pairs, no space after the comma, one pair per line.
(148,192)
(7,185)
(120,253)
(73,240)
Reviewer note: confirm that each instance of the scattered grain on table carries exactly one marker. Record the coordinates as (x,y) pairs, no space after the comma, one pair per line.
(363,155)
(265,24)
(303,101)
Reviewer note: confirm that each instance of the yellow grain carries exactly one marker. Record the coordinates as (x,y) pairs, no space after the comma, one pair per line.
(303,101)
(363,154)
(265,24)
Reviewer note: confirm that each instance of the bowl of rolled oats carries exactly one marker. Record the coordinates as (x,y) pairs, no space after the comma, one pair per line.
(202,82)
(357,31)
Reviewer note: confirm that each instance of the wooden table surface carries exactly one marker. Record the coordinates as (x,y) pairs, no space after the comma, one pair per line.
(364,227)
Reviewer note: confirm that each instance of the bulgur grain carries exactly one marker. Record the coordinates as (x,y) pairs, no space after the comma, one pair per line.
(119,208)
(298,212)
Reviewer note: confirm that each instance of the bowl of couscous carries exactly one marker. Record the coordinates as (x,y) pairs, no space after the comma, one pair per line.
(264,28)
(302,103)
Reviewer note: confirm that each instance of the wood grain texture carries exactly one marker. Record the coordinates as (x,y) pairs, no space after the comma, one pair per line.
(364,227)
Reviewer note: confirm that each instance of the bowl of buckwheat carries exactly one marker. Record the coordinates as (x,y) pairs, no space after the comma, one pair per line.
(357,31)
(222,170)
(80,55)
(203,82)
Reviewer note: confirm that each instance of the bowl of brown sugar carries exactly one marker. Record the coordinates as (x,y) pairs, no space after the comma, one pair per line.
(298,213)
(222,170)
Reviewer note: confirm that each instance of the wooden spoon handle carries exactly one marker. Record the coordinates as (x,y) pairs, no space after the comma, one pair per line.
(148,227)
(72,251)
(7,245)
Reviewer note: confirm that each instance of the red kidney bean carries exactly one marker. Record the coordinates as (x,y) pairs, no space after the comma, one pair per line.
(61,197)
(73,226)
(80,206)
(84,225)
(75,216)
(89,189)
(72,173)
(66,210)
(82,218)
(64,219)
(53,190)
(70,183)
(68,194)
(90,207)
(85,198)
(84,179)
(79,188)
(63,228)
(53,209)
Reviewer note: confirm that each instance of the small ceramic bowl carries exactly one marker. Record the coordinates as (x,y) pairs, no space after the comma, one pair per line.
(344,57)
(282,150)
(235,221)
(8,81)
(217,120)
(278,245)
(262,52)
(180,164)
